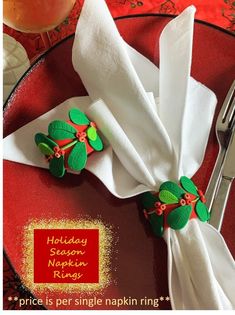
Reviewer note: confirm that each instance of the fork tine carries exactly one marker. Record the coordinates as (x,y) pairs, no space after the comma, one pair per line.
(232,114)
(227,107)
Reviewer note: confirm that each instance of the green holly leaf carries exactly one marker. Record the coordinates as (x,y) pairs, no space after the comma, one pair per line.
(56,166)
(179,217)
(188,185)
(78,117)
(45,149)
(167,197)
(202,211)
(91,133)
(156,222)
(173,188)
(78,157)
(97,144)
(148,200)
(41,138)
(60,130)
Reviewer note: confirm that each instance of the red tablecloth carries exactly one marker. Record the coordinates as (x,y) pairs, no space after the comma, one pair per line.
(218,12)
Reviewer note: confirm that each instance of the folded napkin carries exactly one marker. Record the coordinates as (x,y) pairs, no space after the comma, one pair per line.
(155,124)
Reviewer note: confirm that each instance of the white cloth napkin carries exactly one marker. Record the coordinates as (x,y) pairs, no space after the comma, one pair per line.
(156,125)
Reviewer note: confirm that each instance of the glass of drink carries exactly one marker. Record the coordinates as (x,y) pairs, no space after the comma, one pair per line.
(36,16)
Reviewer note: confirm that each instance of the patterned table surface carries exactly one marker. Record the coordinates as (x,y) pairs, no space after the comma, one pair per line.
(217,12)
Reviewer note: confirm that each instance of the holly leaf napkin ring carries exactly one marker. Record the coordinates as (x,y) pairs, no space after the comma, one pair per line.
(174,205)
(69,143)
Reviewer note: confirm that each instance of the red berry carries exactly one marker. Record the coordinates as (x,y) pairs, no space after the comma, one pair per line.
(157,204)
(57,155)
(82,139)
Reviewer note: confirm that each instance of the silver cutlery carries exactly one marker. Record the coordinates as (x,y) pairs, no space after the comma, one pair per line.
(224,126)
(228,174)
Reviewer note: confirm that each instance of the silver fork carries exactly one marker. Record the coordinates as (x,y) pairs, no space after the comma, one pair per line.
(223,129)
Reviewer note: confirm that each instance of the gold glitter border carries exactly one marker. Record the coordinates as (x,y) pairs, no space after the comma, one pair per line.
(105,243)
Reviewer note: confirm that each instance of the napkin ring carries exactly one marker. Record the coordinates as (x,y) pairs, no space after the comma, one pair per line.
(174,205)
(69,143)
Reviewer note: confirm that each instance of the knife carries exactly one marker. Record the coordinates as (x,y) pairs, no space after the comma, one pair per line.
(228,174)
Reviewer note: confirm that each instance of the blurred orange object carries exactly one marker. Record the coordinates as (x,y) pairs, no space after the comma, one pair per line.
(35,16)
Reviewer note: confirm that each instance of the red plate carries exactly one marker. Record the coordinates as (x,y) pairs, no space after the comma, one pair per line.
(139,264)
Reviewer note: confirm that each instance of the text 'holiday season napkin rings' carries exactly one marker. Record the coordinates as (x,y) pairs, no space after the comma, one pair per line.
(174,205)
(69,143)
